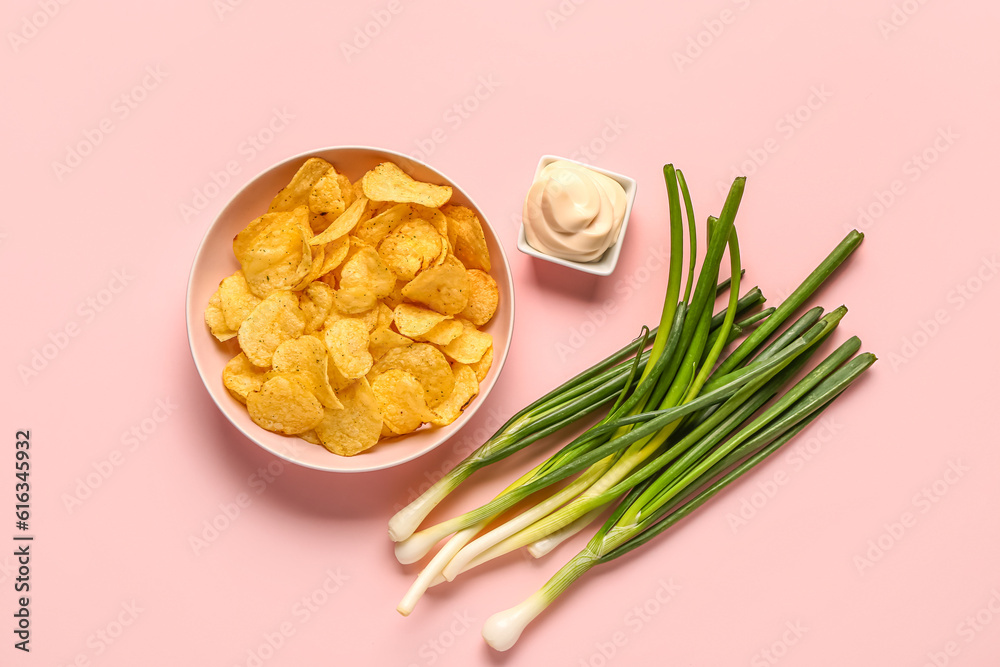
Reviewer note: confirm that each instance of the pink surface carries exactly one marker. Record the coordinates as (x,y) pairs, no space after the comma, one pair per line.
(871,541)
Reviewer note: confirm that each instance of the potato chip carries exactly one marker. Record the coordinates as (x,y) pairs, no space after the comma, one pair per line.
(337,379)
(400,399)
(466,387)
(377,227)
(383,340)
(325,197)
(236,300)
(296,193)
(284,405)
(346,190)
(216,319)
(245,237)
(279,257)
(355,428)
(384,318)
(275,319)
(347,340)
(387,182)
(364,279)
(315,269)
(379,207)
(311,437)
(470,346)
(412,320)
(344,223)
(484,296)
(411,247)
(241,377)
(395,297)
(335,252)
(482,367)
(316,302)
(435,217)
(368,317)
(468,241)
(443,333)
(306,356)
(423,361)
(443,288)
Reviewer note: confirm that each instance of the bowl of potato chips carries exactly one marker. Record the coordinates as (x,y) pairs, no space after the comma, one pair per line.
(350,309)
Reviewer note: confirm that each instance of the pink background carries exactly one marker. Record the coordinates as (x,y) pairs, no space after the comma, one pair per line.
(886,108)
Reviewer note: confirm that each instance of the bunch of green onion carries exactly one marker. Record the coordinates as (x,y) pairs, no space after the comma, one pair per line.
(681,418)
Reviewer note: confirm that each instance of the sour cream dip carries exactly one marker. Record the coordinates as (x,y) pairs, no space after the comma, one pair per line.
(573,212)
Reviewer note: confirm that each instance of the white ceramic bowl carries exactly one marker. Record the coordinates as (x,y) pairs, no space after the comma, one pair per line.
(607,262)
(214,261)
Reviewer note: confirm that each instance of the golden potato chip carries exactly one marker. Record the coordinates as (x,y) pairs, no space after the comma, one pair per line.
(296,193)
(241,377)
(384,318)
(410,248)
(379,207)
(355,428)
(279,257)
(382,340)
(412,320)
(443,288)
(337,379)
(346,190)
(470,346)
(246,236)
(344,223)
(347,340)
(311,437)
(387,182)
(466,387)
(325,197)
(443,333)
(482,367)
(237,300)
(425,362)
(484,296)
(435,217)
(284,405)
(395,297)
(216,319)
(377,227)
(368,317)
(468,241)
(364,279)
(315,269)
(316,302)
(335,252)
(275,319)
(400,399)
(306,356)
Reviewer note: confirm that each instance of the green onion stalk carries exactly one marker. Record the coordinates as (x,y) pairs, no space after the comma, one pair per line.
(655,506)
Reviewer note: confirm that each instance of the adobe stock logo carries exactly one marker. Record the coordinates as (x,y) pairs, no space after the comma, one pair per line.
(121,108)
(59,340)
(903,524)
(33,24)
